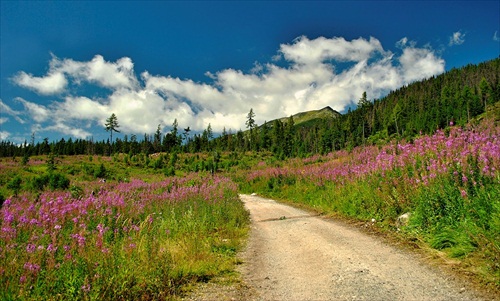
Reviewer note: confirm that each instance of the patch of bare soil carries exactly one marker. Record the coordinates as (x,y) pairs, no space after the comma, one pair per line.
(295,255)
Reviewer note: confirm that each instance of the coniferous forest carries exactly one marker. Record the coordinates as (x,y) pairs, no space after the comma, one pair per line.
(422,107)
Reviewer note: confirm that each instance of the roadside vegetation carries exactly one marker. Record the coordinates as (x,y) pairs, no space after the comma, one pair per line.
(441,190)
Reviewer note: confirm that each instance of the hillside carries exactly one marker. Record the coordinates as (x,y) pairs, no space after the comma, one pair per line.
(309,118)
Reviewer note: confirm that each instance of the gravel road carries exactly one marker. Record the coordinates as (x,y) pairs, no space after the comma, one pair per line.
(294,255)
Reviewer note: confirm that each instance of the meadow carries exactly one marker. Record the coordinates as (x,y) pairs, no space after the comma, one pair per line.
(110,240)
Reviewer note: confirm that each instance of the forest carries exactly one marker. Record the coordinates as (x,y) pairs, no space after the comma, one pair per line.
(455,97)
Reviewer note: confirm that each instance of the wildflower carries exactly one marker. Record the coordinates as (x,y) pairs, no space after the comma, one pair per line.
(30,248)
(86,288)
(51,248)
(57,227)
(22,279)
(463,193)
(79,238)
(33,267)
(8,217)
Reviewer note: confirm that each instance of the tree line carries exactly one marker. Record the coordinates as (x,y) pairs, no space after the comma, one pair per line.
(454,97)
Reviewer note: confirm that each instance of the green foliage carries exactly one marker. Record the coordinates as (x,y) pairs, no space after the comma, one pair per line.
(51,162)
(58,181)
(101,172)
(15,184)
(76,192)
(25,159)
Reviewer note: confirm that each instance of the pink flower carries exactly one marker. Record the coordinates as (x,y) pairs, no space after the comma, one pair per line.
(86,288)
(30,248)
(51,248)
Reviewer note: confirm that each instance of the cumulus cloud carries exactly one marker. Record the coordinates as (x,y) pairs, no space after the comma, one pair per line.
(53,83)
(418,63)
(458,38)
(105,74)
(305,74)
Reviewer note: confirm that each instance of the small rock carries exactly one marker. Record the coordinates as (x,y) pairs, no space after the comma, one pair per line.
(403,220)
(253,194)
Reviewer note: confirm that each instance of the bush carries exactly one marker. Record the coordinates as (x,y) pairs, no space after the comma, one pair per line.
(38,183)
(100,172)
(58,181)
(15,184)
(76,191)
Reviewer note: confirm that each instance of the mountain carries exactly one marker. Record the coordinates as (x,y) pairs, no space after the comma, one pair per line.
(309,118)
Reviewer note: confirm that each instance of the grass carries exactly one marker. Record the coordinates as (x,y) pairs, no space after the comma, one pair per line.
(144,239)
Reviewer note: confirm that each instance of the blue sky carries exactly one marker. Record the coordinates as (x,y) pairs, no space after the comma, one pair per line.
(66,66)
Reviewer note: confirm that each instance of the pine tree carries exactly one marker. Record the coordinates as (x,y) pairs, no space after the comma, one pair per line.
(112,125)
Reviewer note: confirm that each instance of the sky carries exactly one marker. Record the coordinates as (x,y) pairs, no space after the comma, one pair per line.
(66,66)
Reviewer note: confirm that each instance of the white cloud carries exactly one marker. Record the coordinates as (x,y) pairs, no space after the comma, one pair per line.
(38,112)
(6,109)
(4,135)
(53,83)
(305,51)
(307,78)
(68,130)
(105,74)
(419,63)
(496,37)
(458,38)
(3,120)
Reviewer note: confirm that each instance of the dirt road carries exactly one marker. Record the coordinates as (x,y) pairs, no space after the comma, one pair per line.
(294,255)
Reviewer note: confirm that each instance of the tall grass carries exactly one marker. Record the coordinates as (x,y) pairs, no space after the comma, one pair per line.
(125,241)
(449,182)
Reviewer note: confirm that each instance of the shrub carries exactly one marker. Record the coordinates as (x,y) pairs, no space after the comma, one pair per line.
(100,172)
(15,184)
(58,181)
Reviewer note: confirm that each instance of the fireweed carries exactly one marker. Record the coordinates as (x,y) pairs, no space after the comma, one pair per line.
(128,241)
(449,182)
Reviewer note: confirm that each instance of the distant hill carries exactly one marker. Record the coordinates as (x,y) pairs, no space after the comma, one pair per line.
(309,118)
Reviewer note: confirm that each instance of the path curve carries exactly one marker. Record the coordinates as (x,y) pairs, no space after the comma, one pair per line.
(293,255)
